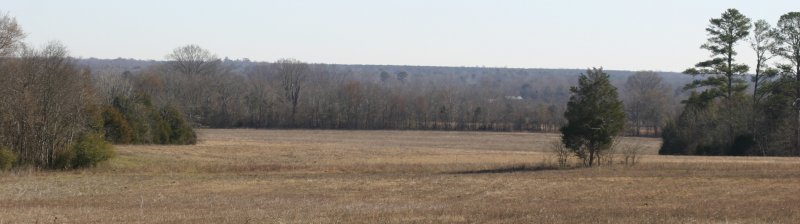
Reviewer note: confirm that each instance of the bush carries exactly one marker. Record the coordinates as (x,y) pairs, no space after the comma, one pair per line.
(7,158)
(181,131)
(630,153)
(63,159)
(90,150)
(607,157)
(161,131)
(561,153)
(673,142)
(116,126)
(136,121)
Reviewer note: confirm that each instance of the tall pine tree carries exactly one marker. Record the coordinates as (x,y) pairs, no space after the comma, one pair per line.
(722,77)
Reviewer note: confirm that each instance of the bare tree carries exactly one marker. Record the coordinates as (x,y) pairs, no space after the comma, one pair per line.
(193,60)
(109,85)
(560,152)
(196,84)
(630,151)
(292,73)
(763,43)
(646,100)
(11,35)
(47,103)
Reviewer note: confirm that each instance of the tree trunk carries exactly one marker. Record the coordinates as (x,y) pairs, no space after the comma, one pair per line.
(730,89)
(294,111)
(797,108)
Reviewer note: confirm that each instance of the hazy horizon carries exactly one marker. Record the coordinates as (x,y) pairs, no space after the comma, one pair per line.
(617,35)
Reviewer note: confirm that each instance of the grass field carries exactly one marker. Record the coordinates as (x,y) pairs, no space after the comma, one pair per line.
(303,176)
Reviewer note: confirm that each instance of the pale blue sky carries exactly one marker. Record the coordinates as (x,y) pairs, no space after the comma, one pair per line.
(633,35)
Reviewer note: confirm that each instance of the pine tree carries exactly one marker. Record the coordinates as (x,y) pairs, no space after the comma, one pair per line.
(723,78)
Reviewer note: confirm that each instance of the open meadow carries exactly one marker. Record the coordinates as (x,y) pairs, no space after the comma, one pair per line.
(321,176)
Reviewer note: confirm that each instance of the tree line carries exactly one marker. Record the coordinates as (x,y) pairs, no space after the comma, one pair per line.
(288,93)
(733,111)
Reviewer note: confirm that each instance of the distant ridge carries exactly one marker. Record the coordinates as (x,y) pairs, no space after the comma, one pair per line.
(120,65)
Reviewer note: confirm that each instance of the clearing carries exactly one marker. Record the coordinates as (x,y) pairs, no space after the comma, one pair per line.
(322,176)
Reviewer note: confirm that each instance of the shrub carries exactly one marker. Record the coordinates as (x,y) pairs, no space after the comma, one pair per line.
(63,159)
(630,153)
(90,150)
(161,131)
(674,142)
(116,126)
(7,158)
(182,132)
(561,153)
(136,121)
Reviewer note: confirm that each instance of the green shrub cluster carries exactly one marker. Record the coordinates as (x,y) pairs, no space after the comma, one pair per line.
(116,126)
(88,151)
(7,158)
(91,150)
(127,120)
(136,121)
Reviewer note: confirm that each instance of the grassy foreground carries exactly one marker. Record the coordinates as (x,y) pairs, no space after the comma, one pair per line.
(303,176)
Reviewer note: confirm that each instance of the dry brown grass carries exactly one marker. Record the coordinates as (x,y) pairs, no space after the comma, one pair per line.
(300,176)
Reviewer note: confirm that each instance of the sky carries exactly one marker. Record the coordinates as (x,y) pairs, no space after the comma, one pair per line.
(615,34)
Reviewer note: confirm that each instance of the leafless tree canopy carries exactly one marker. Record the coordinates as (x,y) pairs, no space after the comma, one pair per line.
(193,60)
(646,101)
(45,99)
(292,73)
(11,35)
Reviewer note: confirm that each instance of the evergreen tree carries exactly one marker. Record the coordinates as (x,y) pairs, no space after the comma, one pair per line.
(722,77)
(595,115)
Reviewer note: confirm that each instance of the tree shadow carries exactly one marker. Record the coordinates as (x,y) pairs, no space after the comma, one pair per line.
(514,169)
